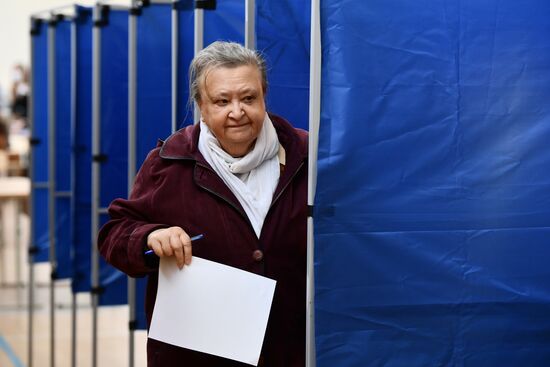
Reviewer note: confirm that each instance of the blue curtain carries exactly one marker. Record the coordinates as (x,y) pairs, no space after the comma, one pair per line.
(432,195)
(282,36)
(113,137)
(82,154)
(39,153)
(226,23)
(154,77)
(62,138)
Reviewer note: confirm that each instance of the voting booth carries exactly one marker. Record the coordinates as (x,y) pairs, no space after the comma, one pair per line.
(428,186)
(94,125)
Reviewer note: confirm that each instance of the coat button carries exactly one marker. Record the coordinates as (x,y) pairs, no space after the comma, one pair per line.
(258,255)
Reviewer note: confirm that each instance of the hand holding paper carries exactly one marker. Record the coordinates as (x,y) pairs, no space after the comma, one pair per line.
(212,308)
(172,241)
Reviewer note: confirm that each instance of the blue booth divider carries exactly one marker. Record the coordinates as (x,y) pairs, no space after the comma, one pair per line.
(225,23)
(82,153)
(39,153)
(185,50)
(433,184)
(154,97)
(63,120)
(282,35)
(154,78)
(113,137)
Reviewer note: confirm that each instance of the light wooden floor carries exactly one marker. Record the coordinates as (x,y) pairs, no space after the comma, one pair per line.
(113,332)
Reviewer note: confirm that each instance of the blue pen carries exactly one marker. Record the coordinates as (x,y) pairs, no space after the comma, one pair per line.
(194,238)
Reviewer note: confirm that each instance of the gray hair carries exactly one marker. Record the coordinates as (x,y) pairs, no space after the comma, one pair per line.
(222,54)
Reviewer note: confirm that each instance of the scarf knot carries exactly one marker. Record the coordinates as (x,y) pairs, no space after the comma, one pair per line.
(253,177)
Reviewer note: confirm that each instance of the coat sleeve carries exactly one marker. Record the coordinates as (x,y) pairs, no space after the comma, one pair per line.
(122,241)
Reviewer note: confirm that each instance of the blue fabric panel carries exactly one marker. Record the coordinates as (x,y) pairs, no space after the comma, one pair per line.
(40,222)
(114,136)
(82,155)
(185,55)
(63,106)
(432,193)
(141,317)
(63,219)
(114,282)
(114,107)
(154,78)
(40,104)
(154,83)
(63,238)
(282,35)
(226,23)
(40,225)
(115,285)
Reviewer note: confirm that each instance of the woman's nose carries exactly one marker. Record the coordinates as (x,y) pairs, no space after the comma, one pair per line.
(236,109)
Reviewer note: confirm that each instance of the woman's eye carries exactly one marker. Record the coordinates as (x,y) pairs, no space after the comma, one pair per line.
(222,102)
(248,99)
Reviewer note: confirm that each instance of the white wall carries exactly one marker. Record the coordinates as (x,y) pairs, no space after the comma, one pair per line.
(14,33)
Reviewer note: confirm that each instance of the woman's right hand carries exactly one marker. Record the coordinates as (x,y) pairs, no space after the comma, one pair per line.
(173,241)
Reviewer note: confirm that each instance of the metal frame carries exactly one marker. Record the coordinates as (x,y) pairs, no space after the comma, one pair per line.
(69,13)
(96,129)
(52,169)
(198,45)
(65,10)
(250,24)
(34,185)
(121,5)
(51,179)
(314,121)
(175,61)
(132,95)
(31,207)
(74,83)
(96,168)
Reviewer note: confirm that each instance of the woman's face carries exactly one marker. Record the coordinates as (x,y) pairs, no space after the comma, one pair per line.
(232,105)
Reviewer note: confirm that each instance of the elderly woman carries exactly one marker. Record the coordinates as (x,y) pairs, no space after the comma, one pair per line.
(240,178)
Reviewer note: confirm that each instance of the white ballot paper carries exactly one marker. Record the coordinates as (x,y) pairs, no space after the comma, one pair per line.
(212,308)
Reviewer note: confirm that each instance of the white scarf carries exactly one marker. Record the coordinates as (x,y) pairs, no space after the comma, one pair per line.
(253,177)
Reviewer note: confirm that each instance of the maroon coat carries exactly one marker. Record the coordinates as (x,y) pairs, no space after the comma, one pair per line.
(177,187)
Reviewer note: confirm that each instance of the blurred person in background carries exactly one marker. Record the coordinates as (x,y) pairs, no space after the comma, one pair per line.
(19,94)
(4,145)
(4,135)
